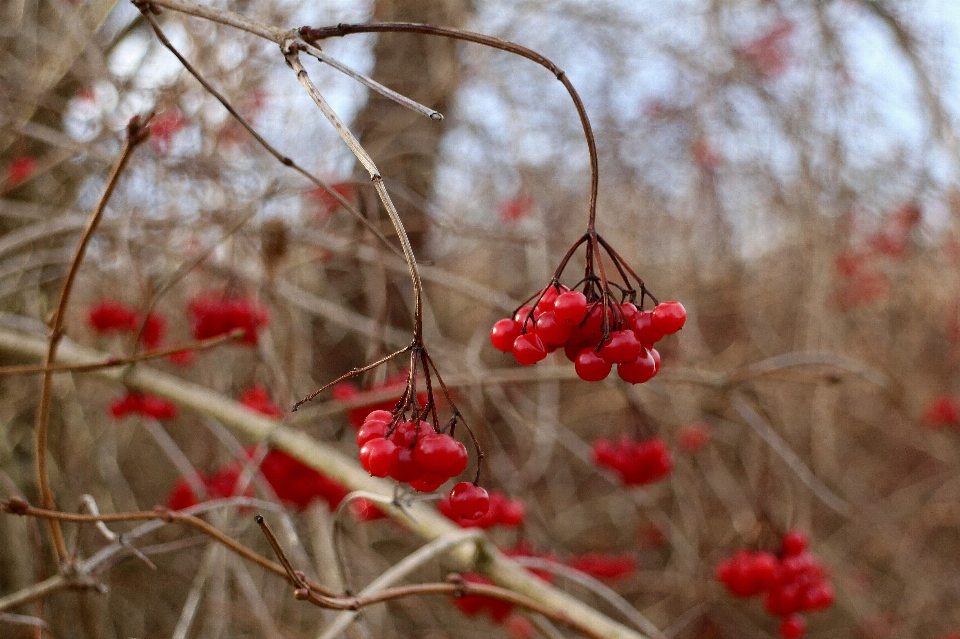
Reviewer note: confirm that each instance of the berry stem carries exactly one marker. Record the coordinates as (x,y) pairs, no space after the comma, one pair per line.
(352,373)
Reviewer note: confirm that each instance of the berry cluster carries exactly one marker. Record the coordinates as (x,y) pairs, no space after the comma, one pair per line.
(213,315)
(592,339)
(502,511)
(637,462)
(793,583)
(141,404)
(110,316)
(417,453)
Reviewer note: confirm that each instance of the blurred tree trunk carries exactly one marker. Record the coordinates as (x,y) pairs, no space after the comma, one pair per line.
(404,144)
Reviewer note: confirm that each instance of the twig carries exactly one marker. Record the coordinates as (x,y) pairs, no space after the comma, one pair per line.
(400,570)
(113,362)
(402,100)
(290,52)
(137,132)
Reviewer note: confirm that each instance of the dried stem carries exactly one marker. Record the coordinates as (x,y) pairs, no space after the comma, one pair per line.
(135,134)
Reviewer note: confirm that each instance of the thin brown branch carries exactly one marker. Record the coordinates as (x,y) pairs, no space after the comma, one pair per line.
(137,132)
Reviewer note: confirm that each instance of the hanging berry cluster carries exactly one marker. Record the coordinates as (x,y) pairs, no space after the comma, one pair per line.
(597,323)
(793,583)
(636,462)
(410,445)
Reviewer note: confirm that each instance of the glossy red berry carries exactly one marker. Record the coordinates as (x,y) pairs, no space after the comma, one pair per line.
(504,333)
(441,454)
(643,327)
(378,456)
(669,317)
(549,296)
(529,349)
(371,430)
(640,370)
(551,331)
(468,501)
(428,482)
(622,347)
(570,307)
(591,367)
(522,316)
(405,468)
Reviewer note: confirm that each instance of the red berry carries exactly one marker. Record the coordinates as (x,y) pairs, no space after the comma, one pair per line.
(640,370)
(629,311)
(549,296)
(441,454)
(405,468)
(656,358)
(378,456)
(551,331)
(428,482)
(468,501)
(644,329)
(622,347)
(528,349)
(371,430)
(694,436)
(570,307)
(522,317)
(793,627)
(504,333)
(669,317)
(591,367)
(512,513)
(818,596)
(794,542)
(405,433)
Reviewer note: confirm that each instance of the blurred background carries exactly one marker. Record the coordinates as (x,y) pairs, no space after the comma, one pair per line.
(787,170)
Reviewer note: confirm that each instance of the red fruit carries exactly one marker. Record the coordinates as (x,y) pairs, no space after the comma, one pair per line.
(512,513)
(522,317)
(529,349)
(590,330)
(793,627)
(622,347)
(428,482)
(504,333)
(378,456)
(591,367)
(469,501)
(20,169)
(257,398)
(629,312)
(551,331)
(182,496)
(669,317)
(157,407)
(109,316)
(943,411)
(371,430)
(383,416)
(550,295)
(656,358)
(640,370)
(441,454)
(406,432)
(818,596)
(570,307)
(783,599)
(794,542)
(573,349)
(643,327)
(153,330)
(405,467)
(606,567)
